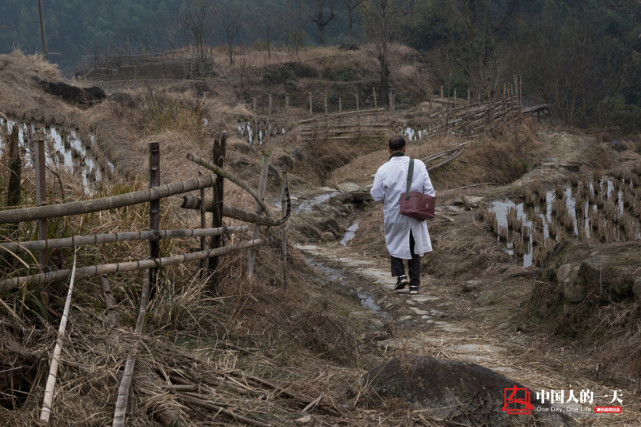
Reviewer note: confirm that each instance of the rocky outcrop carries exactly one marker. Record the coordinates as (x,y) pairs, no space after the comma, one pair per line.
(577,280)
(463,393)
(604,271)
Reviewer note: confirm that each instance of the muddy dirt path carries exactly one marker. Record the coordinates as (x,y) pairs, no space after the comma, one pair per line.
(478,320)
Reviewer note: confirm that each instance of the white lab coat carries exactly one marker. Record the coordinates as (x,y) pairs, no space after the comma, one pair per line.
(389,183)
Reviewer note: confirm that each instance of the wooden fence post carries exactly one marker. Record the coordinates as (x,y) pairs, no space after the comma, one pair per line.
(356,101)
(325,104)
(374,95)
(41,195)
(154,212)
(286,102)
(262,186)
(340,104)
(218,157)
(255,139)
(203,224)
(14,190)
(269,110)
(310,104)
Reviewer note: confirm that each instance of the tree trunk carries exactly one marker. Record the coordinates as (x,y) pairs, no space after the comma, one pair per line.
(230,46)
(384,86)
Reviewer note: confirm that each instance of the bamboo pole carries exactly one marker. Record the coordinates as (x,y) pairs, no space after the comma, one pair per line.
(262,186)
(154,211)
(105,203)
(123,267)
(192,202)
(120,412)
(69,242)
(203,224)
(47,403)
(41,195)
(227,175)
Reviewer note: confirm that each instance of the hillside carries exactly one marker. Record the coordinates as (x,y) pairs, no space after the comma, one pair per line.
(302,347)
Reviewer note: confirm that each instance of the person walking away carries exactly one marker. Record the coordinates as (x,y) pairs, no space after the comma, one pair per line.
(406,238)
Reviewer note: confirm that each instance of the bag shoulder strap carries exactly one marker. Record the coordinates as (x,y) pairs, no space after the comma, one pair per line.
(410,172)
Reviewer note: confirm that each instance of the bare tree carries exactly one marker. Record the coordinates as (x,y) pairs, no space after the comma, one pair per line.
(293,25)
(242,69)
(474,47)
(198,22)
(382,22)
(268,27)
(322,19)
(352,7)
(173,30)
(231,18)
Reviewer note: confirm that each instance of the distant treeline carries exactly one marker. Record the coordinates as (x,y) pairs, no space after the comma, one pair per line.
(579,56)
(79,28)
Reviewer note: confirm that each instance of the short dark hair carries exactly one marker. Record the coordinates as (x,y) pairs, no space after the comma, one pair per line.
(396,143)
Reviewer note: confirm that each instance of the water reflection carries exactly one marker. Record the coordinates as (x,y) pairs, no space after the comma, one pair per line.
(63,149)
(594,211)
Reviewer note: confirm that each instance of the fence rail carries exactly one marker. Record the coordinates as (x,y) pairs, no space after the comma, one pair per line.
(151,196)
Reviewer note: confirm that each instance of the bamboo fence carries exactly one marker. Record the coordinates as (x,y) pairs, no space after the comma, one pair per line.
(472,120)
(155,261)
(345,125)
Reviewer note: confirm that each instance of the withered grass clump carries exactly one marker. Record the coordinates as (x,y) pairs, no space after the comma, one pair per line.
(489,217)
(529,195)
(512,218)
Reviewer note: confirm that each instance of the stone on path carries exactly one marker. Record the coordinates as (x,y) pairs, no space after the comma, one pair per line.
(461,392)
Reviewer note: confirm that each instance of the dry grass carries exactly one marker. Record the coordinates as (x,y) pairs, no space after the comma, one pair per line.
(219,336)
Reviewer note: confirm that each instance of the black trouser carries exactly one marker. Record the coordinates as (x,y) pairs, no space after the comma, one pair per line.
(414,265)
